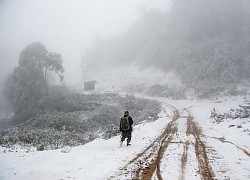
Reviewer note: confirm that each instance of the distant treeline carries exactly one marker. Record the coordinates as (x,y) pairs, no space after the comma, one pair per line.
(206,43)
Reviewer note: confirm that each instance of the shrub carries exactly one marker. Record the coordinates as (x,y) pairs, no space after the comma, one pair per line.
(78,122)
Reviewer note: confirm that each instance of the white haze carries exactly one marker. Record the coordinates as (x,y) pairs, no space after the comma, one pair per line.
(132,77)
(64,26)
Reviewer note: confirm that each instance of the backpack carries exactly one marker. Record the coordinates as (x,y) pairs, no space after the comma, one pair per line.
(125,123)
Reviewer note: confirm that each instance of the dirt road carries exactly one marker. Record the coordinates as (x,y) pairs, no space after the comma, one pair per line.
(182,132)
(180,152)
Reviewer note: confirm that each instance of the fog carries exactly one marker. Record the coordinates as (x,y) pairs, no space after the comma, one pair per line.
(181,46)
(63,26)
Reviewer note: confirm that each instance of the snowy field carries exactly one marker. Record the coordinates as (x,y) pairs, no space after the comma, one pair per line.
(184,143)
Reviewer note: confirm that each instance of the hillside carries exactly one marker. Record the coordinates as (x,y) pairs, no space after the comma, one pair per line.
(203,43)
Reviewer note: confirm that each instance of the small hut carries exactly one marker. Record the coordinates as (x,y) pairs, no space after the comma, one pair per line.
(89,85)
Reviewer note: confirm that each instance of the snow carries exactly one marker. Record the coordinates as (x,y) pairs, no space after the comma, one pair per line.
(226,148)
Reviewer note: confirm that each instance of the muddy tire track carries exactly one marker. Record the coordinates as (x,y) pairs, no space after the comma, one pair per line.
(184,159)
(200,150)
(155,163)
(167,136)
(144,164)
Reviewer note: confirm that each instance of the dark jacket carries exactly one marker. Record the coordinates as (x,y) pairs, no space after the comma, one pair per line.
(130,123)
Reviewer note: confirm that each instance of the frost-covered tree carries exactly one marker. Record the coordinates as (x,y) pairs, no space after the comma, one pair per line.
(36,55)
(28,82)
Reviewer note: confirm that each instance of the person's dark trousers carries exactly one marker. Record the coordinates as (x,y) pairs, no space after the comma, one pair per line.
(126,134)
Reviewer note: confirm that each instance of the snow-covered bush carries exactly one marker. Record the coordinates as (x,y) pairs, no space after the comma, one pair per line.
(41,138)
(231,114)
(94,115)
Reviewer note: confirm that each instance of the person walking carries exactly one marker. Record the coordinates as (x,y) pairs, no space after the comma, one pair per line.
(126,128)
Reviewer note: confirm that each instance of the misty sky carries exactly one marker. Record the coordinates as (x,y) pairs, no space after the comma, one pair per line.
(67,27)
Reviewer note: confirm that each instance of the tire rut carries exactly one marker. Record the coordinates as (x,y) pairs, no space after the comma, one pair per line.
(144,164)
(184,159)
(223,140)
(167,136)
(200,150)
